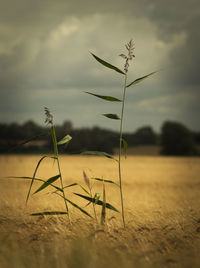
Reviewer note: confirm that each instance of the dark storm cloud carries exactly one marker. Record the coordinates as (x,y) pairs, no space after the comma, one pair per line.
(44,50)
(180,16)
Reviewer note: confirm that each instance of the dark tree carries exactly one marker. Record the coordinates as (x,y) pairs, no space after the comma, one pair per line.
(176,139)
(145,135)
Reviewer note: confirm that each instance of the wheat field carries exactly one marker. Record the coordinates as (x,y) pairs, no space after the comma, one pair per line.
(162,212)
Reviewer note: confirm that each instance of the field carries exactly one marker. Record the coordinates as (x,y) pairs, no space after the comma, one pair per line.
(162,210)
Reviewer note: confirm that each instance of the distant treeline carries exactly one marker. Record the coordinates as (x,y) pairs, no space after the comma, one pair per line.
(175,138)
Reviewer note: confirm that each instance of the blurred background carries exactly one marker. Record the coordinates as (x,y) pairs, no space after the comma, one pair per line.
(45,61)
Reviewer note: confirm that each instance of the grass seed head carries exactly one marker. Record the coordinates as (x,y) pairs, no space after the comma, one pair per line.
(49,116)
(130,47)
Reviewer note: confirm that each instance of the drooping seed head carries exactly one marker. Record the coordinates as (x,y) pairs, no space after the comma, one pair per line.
(49,116)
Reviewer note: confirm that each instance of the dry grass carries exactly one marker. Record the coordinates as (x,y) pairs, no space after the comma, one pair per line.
(162,201)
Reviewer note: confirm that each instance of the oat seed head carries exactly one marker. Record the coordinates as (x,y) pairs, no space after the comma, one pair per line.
(49,116)
(130,47)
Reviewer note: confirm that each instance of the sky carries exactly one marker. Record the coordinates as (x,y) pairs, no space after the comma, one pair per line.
(45,61)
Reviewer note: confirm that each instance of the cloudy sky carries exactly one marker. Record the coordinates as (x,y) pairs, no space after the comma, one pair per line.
(45,61)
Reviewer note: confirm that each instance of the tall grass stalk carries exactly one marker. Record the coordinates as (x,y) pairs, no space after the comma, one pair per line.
(49,120)
(120,149)
(130,47)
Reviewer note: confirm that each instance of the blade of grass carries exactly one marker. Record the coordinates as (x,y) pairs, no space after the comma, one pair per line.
(106,64)
(65,140)
(138,80)
(76,206)
(49,213)
(103,211)
(108,181)
(74,184)
(70,185)
(37,179)
(47,183)
(112,116)
(108,98)
(100,203)
(54,139)
(27,141)
(34,174)
(98,154)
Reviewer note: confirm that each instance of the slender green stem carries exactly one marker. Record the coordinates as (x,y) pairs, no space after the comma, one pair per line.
(120,149)
(59,169)
(93,205)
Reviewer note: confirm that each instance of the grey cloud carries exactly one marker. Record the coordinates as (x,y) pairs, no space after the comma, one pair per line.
(40,54)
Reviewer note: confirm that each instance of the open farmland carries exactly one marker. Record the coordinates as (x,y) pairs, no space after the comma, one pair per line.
(162,210)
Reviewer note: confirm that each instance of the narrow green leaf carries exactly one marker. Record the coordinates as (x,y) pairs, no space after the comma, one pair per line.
(96,197)
(76,206)
(83,188)
(47,183)
(125,147)
(112,116)
(74,184)
(70,185)
(26,178)
(138,80)
(108,98)
(67,186)
(108,181)
(108,65)
(54,140)
(49,213)
(27,141)
(87,204)
(103,211)
(34,174)
(98,154)
(36,179)
(100,203)
(65,140)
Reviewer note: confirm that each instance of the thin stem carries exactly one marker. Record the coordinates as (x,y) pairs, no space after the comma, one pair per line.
(120,149)
(93,205)
(59,169)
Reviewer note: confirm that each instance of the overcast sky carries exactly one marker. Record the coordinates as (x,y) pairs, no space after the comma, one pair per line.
(45,61)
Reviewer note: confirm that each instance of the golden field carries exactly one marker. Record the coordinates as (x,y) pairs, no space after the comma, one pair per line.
(162,210)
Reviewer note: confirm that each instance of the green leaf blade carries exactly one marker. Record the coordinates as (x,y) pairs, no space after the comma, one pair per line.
(112,116)
(108,65)
(107,181)
(96,153)
(66,140)
(138,80)
(100,203)
(34,174)
(76,206)
(49,213)
(103,211)
(108,98)
(37,179)
(27,141)
(47,183)
(70,185)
